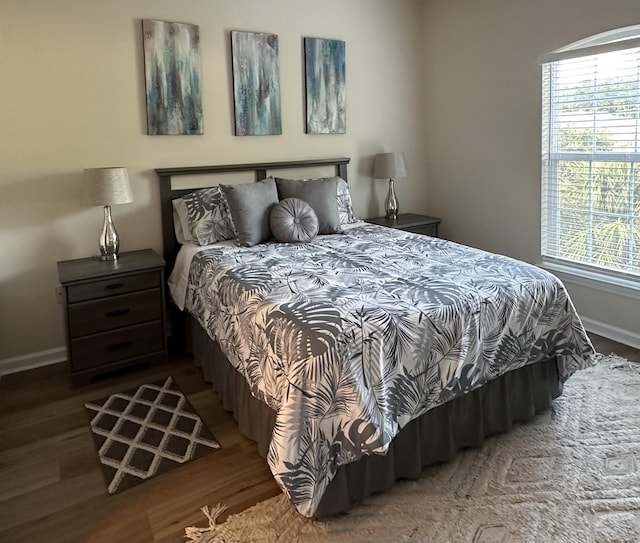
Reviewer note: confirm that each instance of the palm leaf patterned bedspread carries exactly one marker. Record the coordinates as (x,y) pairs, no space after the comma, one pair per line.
(350,337)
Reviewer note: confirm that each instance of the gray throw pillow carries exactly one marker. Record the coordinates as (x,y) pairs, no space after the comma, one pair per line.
(320,194)
(293,221)
(250,205)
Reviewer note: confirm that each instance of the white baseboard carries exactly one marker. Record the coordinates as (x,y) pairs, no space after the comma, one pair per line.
(32,360)
(620,335)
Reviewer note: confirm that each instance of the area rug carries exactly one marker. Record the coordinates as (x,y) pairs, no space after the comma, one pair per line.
(570,475)
(146,431)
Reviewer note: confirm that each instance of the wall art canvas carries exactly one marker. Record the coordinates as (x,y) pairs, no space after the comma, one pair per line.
(256,83)
(172,76)
(325,86)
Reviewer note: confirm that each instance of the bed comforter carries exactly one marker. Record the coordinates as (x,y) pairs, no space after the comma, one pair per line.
(350,337)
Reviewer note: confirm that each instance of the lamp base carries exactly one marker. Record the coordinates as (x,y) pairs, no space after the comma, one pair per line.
(109,243)
(391,203)
(391,216)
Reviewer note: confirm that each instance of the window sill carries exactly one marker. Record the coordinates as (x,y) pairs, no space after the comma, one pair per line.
(629,288)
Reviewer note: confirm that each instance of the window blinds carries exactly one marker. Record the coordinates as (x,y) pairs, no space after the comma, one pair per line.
(591,159)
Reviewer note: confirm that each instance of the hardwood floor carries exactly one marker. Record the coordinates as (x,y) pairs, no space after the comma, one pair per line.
(607,346)
(51,485)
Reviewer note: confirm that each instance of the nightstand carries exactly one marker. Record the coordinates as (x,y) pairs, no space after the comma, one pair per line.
(114,313)
(420,224)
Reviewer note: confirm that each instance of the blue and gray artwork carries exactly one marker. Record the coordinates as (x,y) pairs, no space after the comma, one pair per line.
(172,74)
(256,83)
(326,87)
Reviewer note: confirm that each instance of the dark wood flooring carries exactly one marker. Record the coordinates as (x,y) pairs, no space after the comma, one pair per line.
(51,484)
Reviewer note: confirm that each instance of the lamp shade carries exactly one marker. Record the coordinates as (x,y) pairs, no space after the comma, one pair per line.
(109,186)
(390,166)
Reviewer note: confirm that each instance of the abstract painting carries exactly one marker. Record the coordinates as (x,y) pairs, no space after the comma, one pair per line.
(256,83)
(325,86)
(172,76)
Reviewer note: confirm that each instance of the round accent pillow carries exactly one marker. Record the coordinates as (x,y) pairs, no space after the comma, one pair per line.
(293,220)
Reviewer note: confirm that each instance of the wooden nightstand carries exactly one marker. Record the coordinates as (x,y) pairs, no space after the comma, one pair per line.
(114,313)
(420,224)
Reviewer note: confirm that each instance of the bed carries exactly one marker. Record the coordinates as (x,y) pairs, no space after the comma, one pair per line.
(360,357)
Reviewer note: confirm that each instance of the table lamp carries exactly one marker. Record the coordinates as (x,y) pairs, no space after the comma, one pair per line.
(109,186)
(390,166)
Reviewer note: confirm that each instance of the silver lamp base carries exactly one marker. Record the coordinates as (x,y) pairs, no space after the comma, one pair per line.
(391,203)
(109,244)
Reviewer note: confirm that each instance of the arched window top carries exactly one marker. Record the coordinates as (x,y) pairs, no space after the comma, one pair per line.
(611,40)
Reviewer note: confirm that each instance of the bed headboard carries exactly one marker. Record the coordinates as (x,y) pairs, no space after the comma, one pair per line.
(261,170)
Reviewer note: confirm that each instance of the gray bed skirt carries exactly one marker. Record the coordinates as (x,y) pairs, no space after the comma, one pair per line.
(434,437)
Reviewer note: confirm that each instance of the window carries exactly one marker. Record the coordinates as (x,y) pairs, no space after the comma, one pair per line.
(591,154)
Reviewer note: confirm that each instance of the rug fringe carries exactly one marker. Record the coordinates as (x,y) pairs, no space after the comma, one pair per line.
(208,534)
(617,361)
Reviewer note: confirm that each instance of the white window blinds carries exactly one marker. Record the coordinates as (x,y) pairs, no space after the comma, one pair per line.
(591,158)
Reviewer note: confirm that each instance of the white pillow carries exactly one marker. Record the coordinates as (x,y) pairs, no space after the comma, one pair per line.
(181,221)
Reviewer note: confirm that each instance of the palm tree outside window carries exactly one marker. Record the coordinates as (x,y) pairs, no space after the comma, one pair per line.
(591,154)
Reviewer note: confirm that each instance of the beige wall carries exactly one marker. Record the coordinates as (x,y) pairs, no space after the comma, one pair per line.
(453,83)
(72,97)
(483,102)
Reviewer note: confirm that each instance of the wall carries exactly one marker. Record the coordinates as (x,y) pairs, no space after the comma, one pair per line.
(72,97)
(483,125)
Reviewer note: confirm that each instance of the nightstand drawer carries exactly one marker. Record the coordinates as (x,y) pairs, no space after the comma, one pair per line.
(100,349)
(113,286)
(114,312)
(427,230)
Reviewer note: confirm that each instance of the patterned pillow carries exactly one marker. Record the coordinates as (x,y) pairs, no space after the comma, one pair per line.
(345,206)
(208,220)
(293,221)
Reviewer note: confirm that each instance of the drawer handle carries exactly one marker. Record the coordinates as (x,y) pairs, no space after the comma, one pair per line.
(113,286)
(117,312)
(117,346)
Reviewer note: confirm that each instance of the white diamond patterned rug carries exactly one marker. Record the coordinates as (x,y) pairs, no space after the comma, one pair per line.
(146,431)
